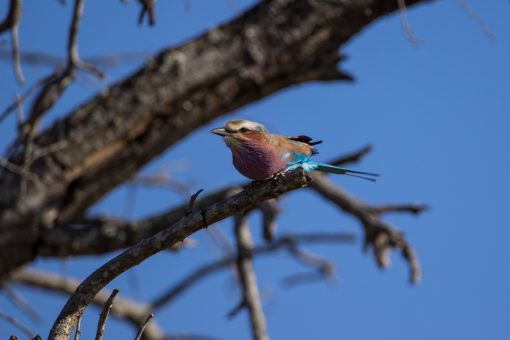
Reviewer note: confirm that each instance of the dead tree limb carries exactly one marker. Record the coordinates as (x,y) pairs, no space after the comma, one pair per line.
(105,313)
(379,236)
(187,225)
(123,309)
(114,134)
(250,297)
(281,243)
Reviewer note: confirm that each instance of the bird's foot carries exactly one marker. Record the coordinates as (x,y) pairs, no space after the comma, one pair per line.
(278,175)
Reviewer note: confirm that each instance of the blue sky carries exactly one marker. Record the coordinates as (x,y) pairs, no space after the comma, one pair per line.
(437,114)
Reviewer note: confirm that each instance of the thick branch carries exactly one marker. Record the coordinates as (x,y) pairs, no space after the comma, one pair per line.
(121,129)
(177,232)
(100,235)
(247,279)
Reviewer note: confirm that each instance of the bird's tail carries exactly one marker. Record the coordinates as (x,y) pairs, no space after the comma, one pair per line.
(341,171)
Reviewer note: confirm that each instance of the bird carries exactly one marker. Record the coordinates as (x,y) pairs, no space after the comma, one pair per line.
(258,154)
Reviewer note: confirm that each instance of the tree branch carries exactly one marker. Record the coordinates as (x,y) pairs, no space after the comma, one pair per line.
(279,244)
(105,312)
(188,224)
(247,280)
(11,22)
(123,309)
(114,134)
(380,236)
(99,235)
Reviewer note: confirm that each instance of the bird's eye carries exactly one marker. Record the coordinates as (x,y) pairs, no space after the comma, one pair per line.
(243,129)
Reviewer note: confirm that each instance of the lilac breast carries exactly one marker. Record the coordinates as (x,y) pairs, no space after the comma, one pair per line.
(257,163)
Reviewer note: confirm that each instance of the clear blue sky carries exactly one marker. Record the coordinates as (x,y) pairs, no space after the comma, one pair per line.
(438,116)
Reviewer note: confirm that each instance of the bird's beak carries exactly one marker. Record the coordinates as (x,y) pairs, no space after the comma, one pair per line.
(220,132)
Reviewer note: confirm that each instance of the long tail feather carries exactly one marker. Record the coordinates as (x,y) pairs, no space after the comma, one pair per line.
(337,170)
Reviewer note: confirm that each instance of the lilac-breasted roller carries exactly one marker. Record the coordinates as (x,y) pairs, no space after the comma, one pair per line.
(258,154)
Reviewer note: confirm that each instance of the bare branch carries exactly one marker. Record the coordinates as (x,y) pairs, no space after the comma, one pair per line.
(143,326)
(20,99)
(13,321)
(352,157)
(405,22)
(381,237)
(270,212)
(33,58)
(475,16)
(60,80)
(279,244)
(136,119)
(247,279)
(324,267)
(97,235)
(414,208)
(16,55)
(105,312)
(187,225)
(123,309)
(147,10)
(20,171)
(11,22)
(192,200)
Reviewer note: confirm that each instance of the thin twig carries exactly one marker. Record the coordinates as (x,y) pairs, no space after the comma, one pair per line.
(13,321)
(192,200)
(147,10)
(11,22)
(6,164)
(20,99)
(352,157)
(38,58)
(16,55)
(413,208)
(325,270)
(279,244)
(78,329)
(405,22)
(123,309)
(60,80)
(475,16)
(143,326)
(270,212)
(104,314)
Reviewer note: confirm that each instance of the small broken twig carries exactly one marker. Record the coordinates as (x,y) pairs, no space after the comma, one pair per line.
(78,329)
(192,200)
(104,314)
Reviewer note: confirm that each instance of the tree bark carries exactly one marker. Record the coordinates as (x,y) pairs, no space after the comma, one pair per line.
(274,45)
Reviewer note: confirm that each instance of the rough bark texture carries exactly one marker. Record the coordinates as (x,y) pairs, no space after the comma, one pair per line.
(187,225)
(276,44)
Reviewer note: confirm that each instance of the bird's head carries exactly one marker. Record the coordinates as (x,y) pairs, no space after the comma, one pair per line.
(239,132)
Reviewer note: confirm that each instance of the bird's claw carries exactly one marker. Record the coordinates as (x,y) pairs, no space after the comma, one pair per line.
(278,175)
